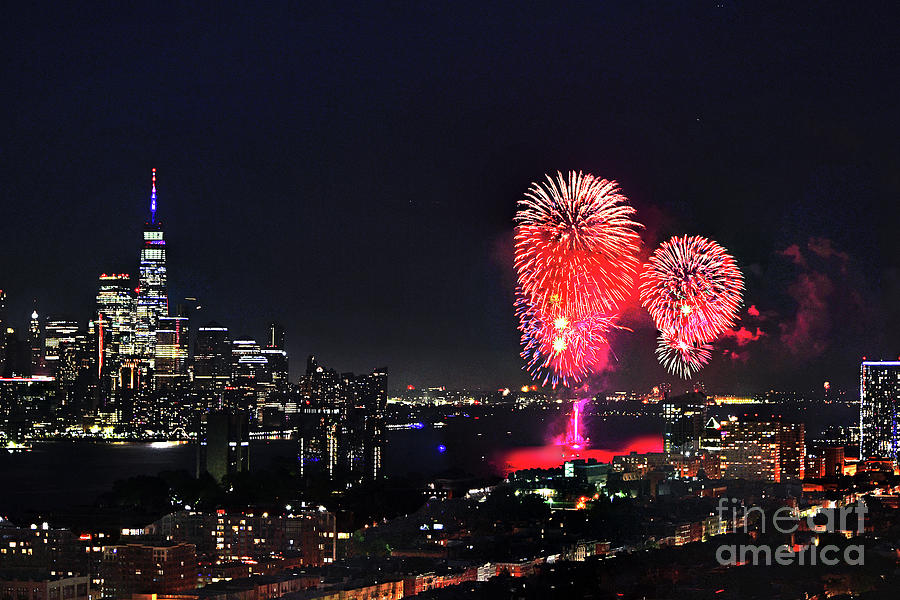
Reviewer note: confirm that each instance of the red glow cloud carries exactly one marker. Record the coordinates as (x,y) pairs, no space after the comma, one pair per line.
(744,336)
(753,311)
(808,332)
(793,252)
(822,247)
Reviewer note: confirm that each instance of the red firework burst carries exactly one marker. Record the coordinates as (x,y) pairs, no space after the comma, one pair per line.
(692,287)
(562,349)
(681,357)
(576,245)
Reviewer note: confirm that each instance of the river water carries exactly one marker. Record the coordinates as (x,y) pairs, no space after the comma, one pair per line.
(61,473)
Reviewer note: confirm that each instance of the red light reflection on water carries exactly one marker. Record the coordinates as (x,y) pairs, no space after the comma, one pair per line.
(552,455)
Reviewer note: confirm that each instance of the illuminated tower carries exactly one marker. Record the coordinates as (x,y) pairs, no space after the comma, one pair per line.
(374,403)
(763,449)
(3,327)
(35,345)
(115,322)
(152,297)
(879,404)
(276,355)
(276,336)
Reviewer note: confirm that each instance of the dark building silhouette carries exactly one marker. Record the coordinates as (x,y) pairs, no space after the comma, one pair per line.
(223,444)
(212,356)
(342,423)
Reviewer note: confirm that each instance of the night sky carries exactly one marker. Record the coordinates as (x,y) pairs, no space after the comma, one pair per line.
(353,172)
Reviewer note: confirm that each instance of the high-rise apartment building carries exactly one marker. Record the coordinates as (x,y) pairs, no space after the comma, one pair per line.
(763,449)
(684,417)
(148,568)
(879,402)
(152,294)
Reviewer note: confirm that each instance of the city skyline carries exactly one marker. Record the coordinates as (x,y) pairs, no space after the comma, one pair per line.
(146,273)
(421,180)
(334,301)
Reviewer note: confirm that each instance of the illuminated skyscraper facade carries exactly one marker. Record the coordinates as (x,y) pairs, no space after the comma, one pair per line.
(114,324)
(879,401)
(57,334)
(36,344)
(152,295)
(763,450)
(685,417)
(172,351)
(276,355)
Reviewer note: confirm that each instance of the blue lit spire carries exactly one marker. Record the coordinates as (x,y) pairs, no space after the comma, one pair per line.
(153,199)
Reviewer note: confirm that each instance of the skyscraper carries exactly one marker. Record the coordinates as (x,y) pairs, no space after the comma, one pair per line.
(223,444)
(685,417)
(57,333)
(36,345)
(172,351)
(879,401)
(3,326)
(115,324)
(212,356)
(276,354)
(275,339)
(342,423)
(152,295)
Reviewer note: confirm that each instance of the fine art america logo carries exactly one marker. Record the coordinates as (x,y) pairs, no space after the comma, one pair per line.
(787,520)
